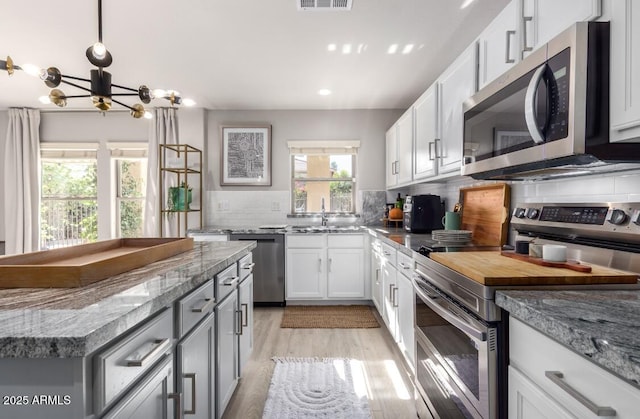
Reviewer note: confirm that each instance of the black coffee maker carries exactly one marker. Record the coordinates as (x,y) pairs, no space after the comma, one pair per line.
(423,213)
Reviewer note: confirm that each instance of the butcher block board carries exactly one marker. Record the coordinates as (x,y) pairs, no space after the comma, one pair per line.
(76,266)
(493,269)
(485,212)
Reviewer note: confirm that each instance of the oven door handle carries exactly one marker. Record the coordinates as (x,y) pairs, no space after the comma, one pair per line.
(445,310)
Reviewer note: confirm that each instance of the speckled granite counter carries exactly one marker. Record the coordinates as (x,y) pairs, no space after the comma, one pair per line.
(73,322)
(600,325)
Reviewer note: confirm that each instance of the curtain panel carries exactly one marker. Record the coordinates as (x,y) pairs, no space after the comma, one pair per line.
(22,181)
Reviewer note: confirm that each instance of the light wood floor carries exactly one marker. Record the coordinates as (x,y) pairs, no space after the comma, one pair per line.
(391,391)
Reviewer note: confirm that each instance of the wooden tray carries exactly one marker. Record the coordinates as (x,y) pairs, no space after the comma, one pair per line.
(491,268)
(485,212)
(84,264)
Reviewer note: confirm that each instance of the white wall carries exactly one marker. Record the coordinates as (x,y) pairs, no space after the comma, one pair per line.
(251,206)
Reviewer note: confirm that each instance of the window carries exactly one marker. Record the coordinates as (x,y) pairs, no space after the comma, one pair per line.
(91,192)
(323,172)
(69,202)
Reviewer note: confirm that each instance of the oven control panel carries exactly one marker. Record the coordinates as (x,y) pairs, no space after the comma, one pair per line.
(596,219)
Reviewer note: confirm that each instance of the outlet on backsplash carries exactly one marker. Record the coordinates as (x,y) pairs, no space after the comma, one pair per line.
(275,206)
(223,205)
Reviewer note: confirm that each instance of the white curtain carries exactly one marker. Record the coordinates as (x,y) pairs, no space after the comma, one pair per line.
(21,181)
(164,130)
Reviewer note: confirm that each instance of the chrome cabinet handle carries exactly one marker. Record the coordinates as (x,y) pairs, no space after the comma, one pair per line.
(431,143)
(525,46)
(192,376)
(441,154)
(239,322)
(395,295)
(397,164)
(329,267)
(556,378)
(158,346)
(393,167)
(378,276)
(177,400)
(404,265)
(245,308)
(319,264)
(248,266)
(507,53)
(208,303)
(231,281)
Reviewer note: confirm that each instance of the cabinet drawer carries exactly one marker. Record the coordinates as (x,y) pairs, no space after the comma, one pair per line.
(194,307)
(226,282)
(130,358)
(245,266)
(306,240)
(389,253)
(404,264)
(352,241)
(540,358)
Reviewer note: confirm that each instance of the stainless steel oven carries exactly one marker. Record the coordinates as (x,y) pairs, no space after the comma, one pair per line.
(456,355)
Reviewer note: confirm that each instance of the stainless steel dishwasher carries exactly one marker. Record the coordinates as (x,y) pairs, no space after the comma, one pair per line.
(268,273)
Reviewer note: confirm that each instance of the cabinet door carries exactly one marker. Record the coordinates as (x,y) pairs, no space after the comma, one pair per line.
(404,167)
(245,292)
(625,77)
(456,85)
(376,281)
(426,131)
(406,303)
(305,273)
(541,20)
(389,298)
(528,401)
(227,351)
(498,46)
(150,398)
(345,273)
(391,157)
(195,361)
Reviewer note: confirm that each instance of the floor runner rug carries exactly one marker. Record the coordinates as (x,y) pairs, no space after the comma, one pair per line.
(309,388)
(329,317)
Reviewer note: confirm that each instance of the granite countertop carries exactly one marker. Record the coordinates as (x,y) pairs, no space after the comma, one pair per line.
(73,322)
(600,325)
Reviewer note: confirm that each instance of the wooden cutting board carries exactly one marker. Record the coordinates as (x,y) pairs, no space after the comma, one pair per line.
(491,268)
(485,212)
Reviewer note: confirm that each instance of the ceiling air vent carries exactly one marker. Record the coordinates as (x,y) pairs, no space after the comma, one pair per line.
(322,5)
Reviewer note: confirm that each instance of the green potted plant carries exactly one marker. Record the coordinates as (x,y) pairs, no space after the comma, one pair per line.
(180,197)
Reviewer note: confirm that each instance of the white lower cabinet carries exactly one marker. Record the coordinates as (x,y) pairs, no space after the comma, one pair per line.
(325,267)
(195,361)
(227,351)
(389,312)
(405,311)
(548,380)
(376,274)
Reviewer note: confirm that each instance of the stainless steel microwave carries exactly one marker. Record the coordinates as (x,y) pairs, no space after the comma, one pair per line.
(548,116)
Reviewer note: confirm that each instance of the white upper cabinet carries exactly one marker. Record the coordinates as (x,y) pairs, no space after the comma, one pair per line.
(541,20)
(425,114)
(392,157)
(625,76)
(498,46)
(404,135)
(455,86)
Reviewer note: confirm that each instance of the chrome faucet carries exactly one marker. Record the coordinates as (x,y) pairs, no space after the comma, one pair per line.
(324,215)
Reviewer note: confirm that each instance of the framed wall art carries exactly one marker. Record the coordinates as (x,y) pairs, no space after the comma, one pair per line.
(246,155)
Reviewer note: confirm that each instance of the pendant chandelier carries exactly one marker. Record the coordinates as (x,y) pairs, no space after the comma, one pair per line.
(99,86)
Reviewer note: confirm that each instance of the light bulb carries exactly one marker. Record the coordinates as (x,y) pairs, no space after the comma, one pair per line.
(148,115)
(32,70)
(99,50)
(188,102)
(45,100)
(158,93)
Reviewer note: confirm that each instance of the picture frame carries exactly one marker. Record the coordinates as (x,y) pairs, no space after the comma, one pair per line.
(246,155)
(504,140)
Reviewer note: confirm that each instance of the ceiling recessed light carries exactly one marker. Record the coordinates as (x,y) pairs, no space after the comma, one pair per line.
(407,49)
(331,47)
(324,92)
(346,49)
(393,48)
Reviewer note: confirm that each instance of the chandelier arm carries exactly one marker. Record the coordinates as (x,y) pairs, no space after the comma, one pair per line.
(75,96)
(123,104)
(75,85)
(124,94)
(125,88)
(75,78)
